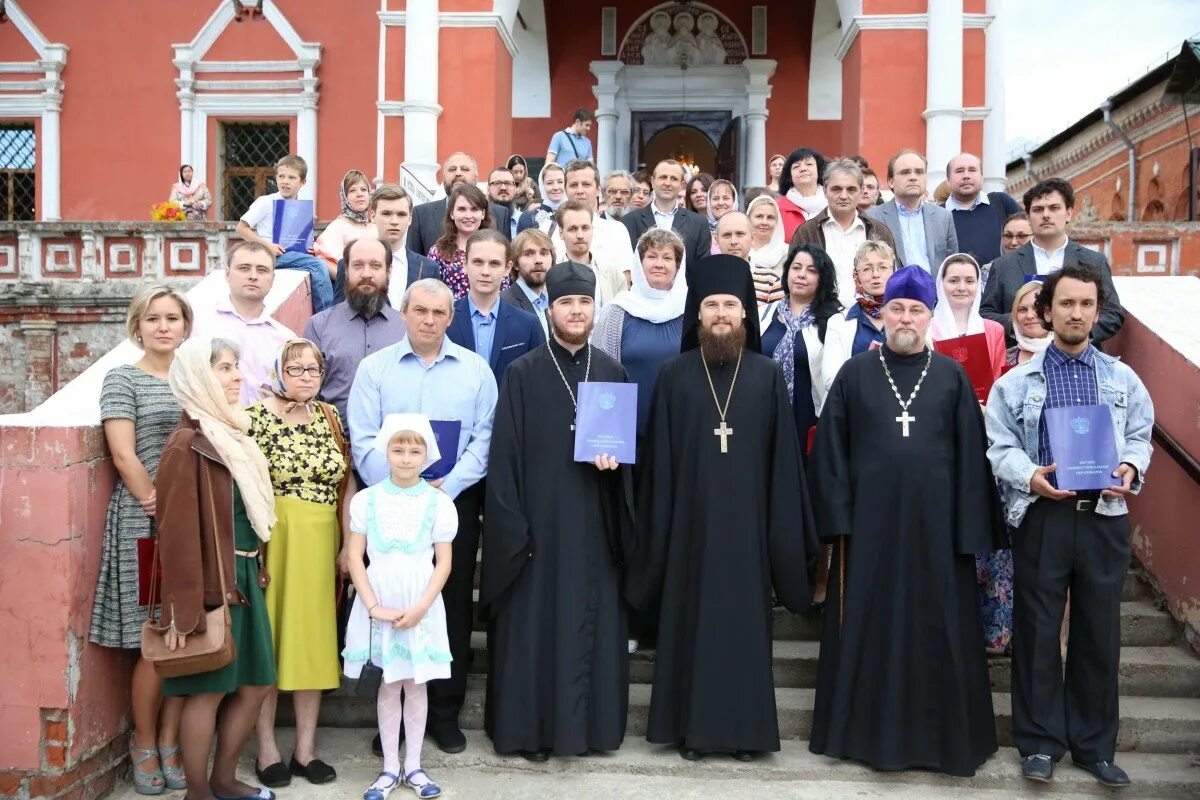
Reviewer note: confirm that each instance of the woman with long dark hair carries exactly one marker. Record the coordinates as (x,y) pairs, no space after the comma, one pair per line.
(696,195)
(466,212)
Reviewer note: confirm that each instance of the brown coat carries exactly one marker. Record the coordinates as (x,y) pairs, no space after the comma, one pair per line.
(811,232)
(194,494)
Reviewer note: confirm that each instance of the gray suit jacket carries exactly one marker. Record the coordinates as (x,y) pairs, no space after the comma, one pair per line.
(427,221)
(941,240)
(1009,273)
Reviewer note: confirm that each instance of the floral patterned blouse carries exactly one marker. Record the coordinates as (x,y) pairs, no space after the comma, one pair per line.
(304,459)
(453,273)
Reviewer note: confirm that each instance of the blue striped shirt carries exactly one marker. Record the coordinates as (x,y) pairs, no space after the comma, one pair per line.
(1070,381)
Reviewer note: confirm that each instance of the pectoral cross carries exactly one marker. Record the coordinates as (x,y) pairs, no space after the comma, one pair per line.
(904,419)
(725,432)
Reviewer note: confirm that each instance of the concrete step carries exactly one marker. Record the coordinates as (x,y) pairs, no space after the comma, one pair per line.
(1148,724)
(640,770)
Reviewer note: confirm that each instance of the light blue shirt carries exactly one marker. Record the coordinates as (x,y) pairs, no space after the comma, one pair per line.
(458,385)
(912,229)
(565,144)
(484,328)
(540,303)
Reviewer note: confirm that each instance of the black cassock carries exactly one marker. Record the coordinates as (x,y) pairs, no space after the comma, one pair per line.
(716,531)
(903,679)
(555,533)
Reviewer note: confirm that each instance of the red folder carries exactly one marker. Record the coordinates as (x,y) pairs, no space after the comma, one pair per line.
(972,352)
(812,433)
(147,566)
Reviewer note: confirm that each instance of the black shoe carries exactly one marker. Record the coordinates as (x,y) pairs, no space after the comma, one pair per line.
(690,755)
(315,771)
(1107,773)
(449,739)
(1037,768)
(536,756)
(377,745)
(744,755)
(273,776)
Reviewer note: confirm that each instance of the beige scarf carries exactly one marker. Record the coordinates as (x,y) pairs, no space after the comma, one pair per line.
(200,395)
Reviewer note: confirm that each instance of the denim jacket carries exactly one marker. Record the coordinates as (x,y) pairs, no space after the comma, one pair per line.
(1014,412)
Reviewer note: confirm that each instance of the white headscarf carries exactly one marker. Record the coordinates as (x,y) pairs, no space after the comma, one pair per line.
(654,305)
(1034,346)
(226,427)
(773,252)
(944,326)
(712,221)
(547,203)
(417,423)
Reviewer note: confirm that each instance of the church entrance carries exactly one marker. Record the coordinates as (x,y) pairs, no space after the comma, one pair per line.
(689,137)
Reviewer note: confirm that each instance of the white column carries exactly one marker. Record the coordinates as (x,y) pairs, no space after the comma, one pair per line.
(758,91)
(421,108)
(607,114)
(995,178)
(50,169)
(943,87)
(187,106)
(306,132)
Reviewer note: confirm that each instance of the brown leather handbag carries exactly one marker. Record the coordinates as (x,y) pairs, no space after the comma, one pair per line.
(202,652)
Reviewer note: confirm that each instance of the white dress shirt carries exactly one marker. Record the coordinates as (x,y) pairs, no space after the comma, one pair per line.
(663,220)
(1048,261)
(841,245)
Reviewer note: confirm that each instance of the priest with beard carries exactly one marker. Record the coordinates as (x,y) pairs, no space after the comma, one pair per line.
(556,535)
(723,518)
(904,491)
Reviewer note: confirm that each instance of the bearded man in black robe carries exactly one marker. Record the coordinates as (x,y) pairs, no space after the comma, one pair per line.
(555,535)
(723,517)
(903,488)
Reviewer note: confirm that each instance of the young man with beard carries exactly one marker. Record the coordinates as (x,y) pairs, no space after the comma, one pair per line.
(904,492)
(557,534)
(723,518)
(531,255)
(499,333)
(364,323)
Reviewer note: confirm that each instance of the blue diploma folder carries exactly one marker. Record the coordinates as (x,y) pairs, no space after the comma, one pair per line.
(292,228)
(445,433)
(606,421)
(1083,445)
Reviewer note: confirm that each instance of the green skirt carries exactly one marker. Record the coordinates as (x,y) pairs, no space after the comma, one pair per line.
(254,658)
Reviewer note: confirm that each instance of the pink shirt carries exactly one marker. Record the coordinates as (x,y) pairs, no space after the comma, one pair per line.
(339,233)
(258,341)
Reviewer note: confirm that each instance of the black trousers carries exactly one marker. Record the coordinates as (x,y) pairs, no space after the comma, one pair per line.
(1058,548)
(446,696)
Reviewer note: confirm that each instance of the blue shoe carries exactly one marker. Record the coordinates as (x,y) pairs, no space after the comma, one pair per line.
(263,793)
(379,791)
(424,788)
(1037,768)
(1107,773)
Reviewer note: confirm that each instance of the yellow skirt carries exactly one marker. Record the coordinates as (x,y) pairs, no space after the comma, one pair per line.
(302,562)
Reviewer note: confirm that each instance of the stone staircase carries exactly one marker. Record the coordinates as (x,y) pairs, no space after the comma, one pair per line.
(1159,735)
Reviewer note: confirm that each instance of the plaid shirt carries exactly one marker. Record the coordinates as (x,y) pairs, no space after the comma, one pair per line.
(1070,381)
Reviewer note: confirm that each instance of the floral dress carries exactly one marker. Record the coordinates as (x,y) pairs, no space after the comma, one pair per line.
(401,526)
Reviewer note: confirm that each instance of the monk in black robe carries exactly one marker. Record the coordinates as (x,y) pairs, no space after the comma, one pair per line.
(903,489)
(555,534)
(723,517)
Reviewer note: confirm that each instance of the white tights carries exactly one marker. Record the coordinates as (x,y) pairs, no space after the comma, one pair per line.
(390,710)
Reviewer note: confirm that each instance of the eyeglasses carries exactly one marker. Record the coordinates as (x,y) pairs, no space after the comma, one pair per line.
(1015,237)
(873,270)
(296,371)
(509,184)
(618,192)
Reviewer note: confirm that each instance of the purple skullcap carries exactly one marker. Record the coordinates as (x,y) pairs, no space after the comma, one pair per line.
(911,283)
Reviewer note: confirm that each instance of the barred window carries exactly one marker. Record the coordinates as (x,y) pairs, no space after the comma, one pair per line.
(18,172)
(249,151)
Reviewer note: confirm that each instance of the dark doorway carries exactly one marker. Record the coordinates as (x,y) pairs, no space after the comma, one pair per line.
(673,130)
(683,143)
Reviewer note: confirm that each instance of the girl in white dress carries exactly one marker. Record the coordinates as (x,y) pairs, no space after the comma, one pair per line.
(398,621)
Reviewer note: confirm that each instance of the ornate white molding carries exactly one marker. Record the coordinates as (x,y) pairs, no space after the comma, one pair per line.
(40,98)
(898,22)
(461,19)
(398,108)
(975,113)
(199,99)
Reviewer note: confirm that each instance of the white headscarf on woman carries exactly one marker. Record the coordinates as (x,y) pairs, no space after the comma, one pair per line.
(547,203)
(226,426)
(1034,346)
(769,255)
(712,221)
(944,325)
(654,305)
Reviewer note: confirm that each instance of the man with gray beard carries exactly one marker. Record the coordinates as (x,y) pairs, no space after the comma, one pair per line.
(904,491)
(723,518)
(362,324)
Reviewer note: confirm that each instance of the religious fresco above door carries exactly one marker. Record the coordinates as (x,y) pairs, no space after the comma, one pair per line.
(691,35)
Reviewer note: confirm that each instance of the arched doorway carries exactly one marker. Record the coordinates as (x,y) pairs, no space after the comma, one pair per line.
(684,143)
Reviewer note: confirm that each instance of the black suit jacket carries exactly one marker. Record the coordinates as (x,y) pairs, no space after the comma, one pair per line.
(418,267)
(514,296)
(517,332)
(691,227)
(429,218)
(1008,275)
